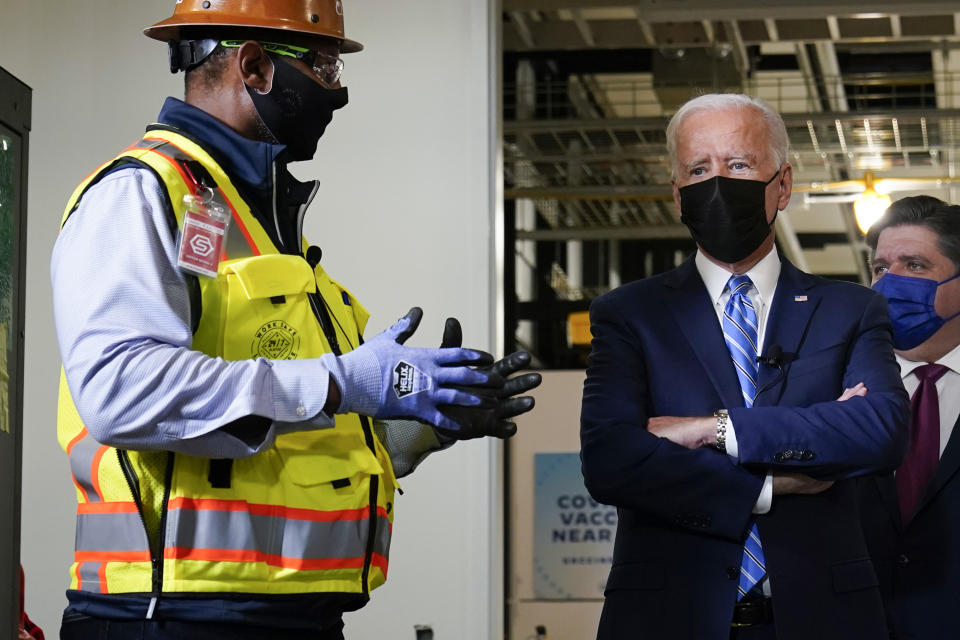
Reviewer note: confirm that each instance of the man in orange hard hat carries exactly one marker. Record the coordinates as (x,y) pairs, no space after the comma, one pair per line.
(233,439)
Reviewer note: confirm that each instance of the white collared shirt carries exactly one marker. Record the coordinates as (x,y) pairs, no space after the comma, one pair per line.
(948,390)
(764,276)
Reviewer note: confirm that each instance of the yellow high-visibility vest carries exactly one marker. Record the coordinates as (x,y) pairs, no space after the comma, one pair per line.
(313,514)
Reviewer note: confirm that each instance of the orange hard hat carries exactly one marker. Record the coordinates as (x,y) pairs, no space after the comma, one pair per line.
(310,17)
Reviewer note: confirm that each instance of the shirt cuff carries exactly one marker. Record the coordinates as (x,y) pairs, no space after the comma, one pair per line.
(731,442)
(765,499)
(299,393)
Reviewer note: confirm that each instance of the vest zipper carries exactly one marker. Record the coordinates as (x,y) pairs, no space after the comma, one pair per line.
(273,205)
(374,489)
(156,555)
(303,208)
(326,324)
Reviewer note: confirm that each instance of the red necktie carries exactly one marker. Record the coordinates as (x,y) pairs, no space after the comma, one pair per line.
(914,474)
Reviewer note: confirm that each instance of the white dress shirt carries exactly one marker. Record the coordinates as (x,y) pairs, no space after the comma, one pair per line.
(948,390)
(764,276)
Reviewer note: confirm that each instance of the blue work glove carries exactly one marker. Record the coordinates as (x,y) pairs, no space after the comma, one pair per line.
(384,379)
(493,417)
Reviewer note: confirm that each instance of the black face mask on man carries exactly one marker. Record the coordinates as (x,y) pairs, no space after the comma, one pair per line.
(296,109)
(727,216)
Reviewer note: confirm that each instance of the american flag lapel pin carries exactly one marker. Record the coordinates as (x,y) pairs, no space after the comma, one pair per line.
(799,298)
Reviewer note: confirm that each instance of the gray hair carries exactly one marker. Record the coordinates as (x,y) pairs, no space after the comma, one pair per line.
(779,142)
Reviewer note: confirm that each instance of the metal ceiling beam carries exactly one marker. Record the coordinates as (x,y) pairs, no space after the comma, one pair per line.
(855,239)
(833,80)
(740,57)
(791,119)
(708,30)
(896,28)
(657,156)
(641,154)
(645,28)
(656,232)
(523,29)
(695,10)
(552,37)
(584,28)
(638,192)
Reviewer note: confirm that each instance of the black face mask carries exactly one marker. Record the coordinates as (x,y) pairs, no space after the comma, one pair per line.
(296,110)
(727,216)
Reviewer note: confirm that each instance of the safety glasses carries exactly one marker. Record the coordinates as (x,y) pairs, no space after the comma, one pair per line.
(327,68)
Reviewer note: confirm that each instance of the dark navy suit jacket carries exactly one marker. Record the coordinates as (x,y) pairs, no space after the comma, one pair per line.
(658,350)
(918,563)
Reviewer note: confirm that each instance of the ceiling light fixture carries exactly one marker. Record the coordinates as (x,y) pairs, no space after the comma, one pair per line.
(868,208)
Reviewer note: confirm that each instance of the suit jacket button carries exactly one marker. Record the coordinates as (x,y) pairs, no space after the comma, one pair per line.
(788,454)
(807,455)
(903,560)
(733,572)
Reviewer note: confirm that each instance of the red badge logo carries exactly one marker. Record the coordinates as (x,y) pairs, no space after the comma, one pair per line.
(201,244)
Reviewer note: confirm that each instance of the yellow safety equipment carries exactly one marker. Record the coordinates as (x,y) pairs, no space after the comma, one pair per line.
(313,514)
(310,17)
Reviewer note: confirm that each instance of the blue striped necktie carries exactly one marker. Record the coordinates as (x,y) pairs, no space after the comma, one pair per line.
(740,331)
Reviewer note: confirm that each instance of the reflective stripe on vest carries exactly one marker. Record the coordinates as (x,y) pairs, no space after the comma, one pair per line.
(116,534)
(85,457)
(218,530)
(304,504)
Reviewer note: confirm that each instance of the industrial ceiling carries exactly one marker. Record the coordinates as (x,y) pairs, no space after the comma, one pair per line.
(590,84)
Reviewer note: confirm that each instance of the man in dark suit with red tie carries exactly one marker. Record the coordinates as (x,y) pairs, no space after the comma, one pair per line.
(911,519)
(711,418)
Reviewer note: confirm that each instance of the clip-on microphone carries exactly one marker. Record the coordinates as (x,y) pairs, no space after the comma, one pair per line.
(772,358)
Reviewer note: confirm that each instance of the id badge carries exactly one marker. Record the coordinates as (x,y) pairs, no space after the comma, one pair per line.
(205,226)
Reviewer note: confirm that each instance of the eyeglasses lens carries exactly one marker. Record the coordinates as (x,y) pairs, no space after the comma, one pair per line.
(329,69)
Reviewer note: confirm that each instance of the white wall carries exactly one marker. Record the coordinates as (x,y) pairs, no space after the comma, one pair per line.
(404,218)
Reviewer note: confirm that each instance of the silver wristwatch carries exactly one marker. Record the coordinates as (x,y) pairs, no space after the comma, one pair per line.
(723,418)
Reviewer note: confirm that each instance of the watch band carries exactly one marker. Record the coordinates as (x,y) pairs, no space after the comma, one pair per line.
(723,418)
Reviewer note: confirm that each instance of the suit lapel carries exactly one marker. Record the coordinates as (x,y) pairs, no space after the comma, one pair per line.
(790,311)
(690,304)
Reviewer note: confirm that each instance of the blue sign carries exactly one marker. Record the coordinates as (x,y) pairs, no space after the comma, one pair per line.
(572,533)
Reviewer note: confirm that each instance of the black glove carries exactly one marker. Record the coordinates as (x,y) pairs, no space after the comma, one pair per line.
(493,417)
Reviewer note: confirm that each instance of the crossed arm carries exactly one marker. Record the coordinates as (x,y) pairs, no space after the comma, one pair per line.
(664,467)
(857,435)
(702,432)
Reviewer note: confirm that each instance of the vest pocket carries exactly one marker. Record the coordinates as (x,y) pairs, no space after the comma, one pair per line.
(326,457)
(267,310)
